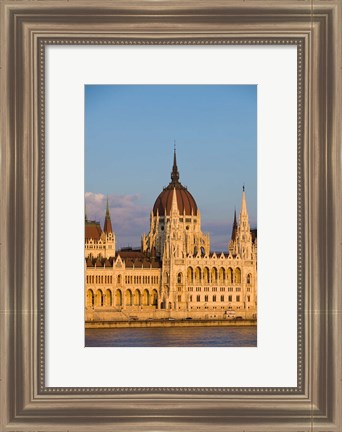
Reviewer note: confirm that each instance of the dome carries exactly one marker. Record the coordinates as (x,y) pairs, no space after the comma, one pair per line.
(185,201)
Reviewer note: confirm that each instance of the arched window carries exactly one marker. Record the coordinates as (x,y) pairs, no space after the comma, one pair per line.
(128,297)
(214,275)
(198,274)
(108,297)
(206,275)
(190,275)
(137,298)
(222,275)
(230,275)
(249,278)
(154,298)
(119,279)
(99,298)
(90,298)
(237,275)
(118,298)
(146,298)
(179,278)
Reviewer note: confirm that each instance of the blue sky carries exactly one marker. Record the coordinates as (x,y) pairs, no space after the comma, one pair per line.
(129,139)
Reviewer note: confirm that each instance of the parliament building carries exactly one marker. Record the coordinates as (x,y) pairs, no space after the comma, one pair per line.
(173,274)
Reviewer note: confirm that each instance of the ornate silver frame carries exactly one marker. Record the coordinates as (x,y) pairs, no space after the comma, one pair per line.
(314,27)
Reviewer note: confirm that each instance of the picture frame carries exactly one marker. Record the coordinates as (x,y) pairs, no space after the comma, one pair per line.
(27,27)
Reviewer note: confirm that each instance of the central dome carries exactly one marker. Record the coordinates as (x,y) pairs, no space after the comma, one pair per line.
(185,201)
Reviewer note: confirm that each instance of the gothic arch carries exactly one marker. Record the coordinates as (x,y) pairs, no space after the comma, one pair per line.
(206,275)
(128,297)
(214,275)
(118,298)
(222,275)
(237,275)
(108,297)
(154,298)
(249,278)
(137,298)
(146,298)
(180,278)
(99,298)
(90,298)
(230,275)
(190,275)
(198,274)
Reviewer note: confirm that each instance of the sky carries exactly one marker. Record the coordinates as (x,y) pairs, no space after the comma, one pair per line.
(130,131)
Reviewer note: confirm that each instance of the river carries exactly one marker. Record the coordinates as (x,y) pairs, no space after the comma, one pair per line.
(173,337)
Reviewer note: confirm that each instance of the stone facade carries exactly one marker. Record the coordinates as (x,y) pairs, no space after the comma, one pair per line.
(173,274)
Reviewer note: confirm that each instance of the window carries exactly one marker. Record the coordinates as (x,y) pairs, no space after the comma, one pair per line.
(237,275)
(222,298)
(230,298)
(214,298)
(248,290)
(222,289)
(230,289)
(237,298)
(191,298)
(206,298)
(215,289)
(238,289)
(248,298)
(198,298)
(179,298)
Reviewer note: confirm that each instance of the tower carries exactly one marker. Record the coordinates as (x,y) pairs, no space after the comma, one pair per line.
(243,232)
(177,206)
(108,233)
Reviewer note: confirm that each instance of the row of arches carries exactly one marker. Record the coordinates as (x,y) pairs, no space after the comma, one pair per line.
(197,275)
(106,298)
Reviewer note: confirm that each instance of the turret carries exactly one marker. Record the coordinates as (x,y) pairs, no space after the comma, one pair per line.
(107,227)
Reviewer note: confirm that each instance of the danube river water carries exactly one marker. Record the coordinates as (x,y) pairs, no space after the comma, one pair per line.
(172,337)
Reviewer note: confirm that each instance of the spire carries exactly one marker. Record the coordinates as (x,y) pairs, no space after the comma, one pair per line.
(243,202)
(174,173)
(234,230)
(107,227)
(174,205)
(107,208)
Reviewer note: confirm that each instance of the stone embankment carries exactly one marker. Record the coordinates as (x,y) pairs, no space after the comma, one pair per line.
(169,323)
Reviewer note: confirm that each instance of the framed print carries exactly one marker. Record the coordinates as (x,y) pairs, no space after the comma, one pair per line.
(132,298)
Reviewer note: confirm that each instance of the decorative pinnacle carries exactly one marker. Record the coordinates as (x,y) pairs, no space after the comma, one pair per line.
(107,208)
(174,173)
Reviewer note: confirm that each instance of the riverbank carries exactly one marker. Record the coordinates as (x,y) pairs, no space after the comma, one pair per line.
(168,323)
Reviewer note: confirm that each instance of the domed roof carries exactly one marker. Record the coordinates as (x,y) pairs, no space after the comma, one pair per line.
(185,201)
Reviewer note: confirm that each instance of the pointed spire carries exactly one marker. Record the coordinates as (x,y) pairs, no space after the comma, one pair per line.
(234,230)
(174,173)
(174,205)
(107,227)
(243,202)
(107,208)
